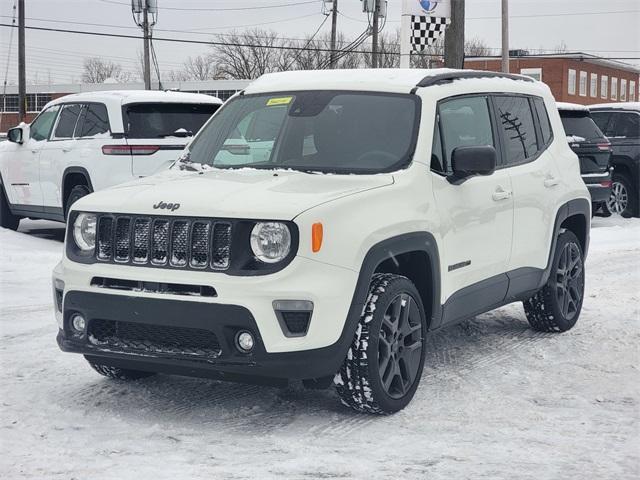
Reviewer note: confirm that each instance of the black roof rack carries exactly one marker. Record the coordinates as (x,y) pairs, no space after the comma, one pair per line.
(451,76)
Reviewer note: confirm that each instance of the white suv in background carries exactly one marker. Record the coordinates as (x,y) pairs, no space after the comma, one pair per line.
(377,206)
(89,141)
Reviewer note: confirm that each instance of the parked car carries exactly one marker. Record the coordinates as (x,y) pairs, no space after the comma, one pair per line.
(89,141)
(391,203)
(593,150)
(620,122)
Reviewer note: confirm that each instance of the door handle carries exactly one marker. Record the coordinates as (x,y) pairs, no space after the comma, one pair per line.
(501,194)
(66,149)
(34,151)
(551,182)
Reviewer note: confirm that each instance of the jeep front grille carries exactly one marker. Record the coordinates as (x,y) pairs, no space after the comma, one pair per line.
(164,242)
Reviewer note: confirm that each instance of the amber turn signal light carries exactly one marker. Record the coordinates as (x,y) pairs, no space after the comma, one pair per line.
(316,237)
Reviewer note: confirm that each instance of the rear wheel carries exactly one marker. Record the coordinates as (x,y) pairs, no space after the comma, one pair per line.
(7,219)
(76,194)
(623,199)
(556,306)
(385,361)
(117,373)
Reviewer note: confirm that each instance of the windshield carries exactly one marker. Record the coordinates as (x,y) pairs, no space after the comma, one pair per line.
(159,120)
(579,124)
(325,131)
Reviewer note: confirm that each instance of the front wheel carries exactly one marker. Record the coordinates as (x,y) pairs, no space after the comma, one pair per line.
(385,361)
(557,306)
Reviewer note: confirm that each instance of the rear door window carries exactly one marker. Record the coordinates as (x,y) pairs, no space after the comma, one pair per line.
(67,121)
(94,121)
(518,128)
(164,120)
(464,122)
(626,125)
(602,121)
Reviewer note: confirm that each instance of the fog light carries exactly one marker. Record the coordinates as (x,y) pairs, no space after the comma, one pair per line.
(244,342)
(78,322)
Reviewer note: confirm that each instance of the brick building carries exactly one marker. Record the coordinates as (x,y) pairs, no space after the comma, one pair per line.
(572,77)
(38,95)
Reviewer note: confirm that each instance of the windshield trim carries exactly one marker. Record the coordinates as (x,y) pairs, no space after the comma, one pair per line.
(401,164)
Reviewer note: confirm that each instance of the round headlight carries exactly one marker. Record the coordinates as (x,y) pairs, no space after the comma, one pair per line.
(270,241)
(84,231)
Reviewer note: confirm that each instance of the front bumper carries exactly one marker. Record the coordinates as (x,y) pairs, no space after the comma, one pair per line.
(599,186)
(242,303)
(224,321)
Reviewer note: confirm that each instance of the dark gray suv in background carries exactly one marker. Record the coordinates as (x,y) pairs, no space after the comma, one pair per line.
(620,122)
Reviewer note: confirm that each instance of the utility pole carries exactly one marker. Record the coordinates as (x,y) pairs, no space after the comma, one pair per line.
(454,38)
(22,75)
(374,46)
(505,36)
(334,33)
(145,30)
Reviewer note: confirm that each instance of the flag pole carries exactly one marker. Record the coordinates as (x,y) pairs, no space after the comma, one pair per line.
(405,38)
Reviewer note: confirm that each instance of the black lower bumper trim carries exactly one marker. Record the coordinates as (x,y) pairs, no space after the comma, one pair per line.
(223,320)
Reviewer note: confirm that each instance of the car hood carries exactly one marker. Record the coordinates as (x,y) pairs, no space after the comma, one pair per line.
(244,193)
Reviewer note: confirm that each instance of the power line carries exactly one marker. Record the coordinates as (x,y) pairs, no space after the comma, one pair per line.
(224,9)
(202,42)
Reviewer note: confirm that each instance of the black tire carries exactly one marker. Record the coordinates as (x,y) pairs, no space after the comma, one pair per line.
(7,219)
(75,194)
(624,197)
(379,351)
(556,307)
(117,373)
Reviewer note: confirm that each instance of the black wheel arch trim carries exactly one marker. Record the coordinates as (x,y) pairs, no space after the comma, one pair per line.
(81,170)
(580,207)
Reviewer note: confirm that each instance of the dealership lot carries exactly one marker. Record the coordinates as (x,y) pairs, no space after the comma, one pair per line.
(497,398)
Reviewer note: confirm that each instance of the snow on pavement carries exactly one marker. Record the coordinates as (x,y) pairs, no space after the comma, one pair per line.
(497,400)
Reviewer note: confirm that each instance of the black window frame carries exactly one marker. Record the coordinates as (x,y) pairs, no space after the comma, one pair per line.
(80,122)
(438,124)
(538,123)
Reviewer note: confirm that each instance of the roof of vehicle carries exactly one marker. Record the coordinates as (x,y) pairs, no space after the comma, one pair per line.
(573,107)
(634,106)
(381,80)
(123,97)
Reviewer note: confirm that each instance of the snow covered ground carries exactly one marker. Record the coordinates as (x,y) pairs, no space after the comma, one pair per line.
(497,400)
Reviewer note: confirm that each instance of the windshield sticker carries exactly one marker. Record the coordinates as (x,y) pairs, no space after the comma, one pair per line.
(272,102)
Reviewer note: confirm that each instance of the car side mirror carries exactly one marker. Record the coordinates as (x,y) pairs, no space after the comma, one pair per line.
(15,135)
(476,160)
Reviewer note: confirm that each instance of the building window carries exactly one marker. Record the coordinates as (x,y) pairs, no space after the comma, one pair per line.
(623,90)
(535,73)
(583,84)
(632,91)
(41,100)
(11,103)
(593,90)
(614,88)
(604,86)
(572,82)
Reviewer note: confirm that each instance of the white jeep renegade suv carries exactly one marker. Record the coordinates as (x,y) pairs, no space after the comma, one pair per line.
(322,224)
(89,141)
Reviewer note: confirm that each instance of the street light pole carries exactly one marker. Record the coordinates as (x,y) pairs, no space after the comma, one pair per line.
(145,29)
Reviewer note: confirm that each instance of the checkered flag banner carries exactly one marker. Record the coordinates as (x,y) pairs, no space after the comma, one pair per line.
(426,30)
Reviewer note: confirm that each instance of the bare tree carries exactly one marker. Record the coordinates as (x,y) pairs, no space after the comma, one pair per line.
(476,47)
(97,70)
(249,54)
(201,67)
(388,51)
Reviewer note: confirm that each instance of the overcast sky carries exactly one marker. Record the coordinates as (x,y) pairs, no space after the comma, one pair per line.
(603,27)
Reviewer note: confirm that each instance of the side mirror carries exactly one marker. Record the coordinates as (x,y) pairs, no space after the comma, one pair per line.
(15,135)
(476,160)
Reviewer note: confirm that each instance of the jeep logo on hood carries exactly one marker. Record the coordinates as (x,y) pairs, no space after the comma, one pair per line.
(166,206)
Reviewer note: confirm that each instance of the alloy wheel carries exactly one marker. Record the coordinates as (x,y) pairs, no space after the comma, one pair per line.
(570,281)
(400,346)
(619,198)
